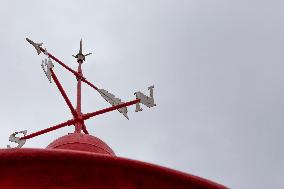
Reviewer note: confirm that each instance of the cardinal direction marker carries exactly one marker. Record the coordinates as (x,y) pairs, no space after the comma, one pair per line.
(36,45)
(17,140)
(80,56)
(47,65)
(78,116)
(146,100)
(110,98)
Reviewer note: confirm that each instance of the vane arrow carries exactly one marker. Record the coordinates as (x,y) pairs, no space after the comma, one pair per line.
(37,46)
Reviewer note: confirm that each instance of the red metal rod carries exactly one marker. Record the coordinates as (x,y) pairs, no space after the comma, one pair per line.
(84,128)
(67,123)
(59,86)
(79,126)
(79,89)
(89,83)
(69,69)
(89,115)
(61,63)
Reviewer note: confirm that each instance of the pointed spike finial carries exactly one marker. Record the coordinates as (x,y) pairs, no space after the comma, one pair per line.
(80,51)
(80,56)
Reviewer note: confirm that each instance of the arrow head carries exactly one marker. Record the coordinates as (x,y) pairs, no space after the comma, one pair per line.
(35,45)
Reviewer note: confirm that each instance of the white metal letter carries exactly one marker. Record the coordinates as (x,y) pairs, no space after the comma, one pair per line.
(146,100)
(17,140)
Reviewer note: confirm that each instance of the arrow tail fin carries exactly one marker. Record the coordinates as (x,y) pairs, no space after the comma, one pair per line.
(110,98)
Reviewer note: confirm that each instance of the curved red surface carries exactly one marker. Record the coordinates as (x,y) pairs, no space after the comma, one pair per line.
(62,169)
(81,142)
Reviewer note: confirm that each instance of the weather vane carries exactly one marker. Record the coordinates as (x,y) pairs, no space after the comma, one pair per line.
(79,117)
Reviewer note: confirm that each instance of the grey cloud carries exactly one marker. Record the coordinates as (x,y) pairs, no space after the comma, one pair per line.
(216,65)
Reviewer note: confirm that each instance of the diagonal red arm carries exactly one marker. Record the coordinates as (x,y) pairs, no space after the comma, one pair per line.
(59,86)
(68,68)
(61,63)
(67,123)
(89,115)
(89,83)
(72,71)
(85,129)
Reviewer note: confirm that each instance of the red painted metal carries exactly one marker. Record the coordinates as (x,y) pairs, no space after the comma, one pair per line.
(89,115)
(83,161)
(59,62)
(81,119)
(77,114)
(79,125)
(79,89)
(90,84)
(59,86)
(67,169)
(67,123)
(69,69)
(84,128)
(81,142)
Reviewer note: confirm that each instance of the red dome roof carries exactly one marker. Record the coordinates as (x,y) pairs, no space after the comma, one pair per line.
(81,142)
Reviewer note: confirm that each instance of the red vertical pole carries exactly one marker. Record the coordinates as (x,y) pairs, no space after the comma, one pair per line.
(79,125)
(79,88)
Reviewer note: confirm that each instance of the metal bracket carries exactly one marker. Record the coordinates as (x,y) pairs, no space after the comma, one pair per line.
(146,100)
(17,140)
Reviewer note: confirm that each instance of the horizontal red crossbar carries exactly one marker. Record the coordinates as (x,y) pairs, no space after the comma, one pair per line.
(67,123)
(84,117)
(89,115)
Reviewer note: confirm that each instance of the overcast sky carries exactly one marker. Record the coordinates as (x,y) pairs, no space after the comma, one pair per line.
(217,67)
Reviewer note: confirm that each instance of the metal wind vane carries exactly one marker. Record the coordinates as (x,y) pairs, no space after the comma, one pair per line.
(79,117)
